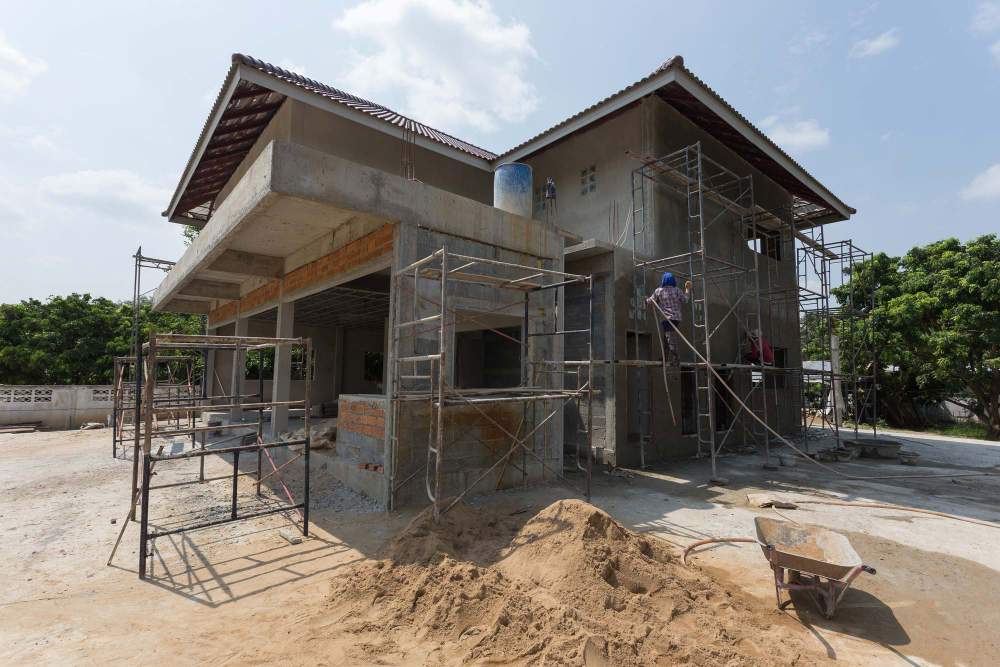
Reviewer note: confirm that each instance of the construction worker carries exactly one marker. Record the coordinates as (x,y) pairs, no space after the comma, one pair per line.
(668,297)
(758,350)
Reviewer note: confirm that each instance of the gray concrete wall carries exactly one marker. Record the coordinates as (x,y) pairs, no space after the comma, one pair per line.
(333,134)
(336,135)
(581,210)
(577,316)
(638,397)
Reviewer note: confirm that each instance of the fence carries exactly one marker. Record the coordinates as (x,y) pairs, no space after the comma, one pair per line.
(55,406)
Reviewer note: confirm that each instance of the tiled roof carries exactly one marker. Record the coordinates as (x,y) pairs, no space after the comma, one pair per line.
(252,105)
(365,106)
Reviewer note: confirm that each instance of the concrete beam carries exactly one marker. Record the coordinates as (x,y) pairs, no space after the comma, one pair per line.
(294,192)
(248,264)
(211,290)
(188,306)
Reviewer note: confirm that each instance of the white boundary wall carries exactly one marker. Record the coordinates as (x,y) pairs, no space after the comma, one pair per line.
(55,406)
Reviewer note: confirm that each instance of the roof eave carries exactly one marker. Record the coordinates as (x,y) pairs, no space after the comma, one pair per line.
(221,102)
(751,134)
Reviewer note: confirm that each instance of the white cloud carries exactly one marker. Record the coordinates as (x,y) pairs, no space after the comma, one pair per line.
(987,17)
(984,186)
(878,45)
(795,136)
(110,193)
(995,51)
(17,70)
(31,142)
(807,41)
(455,62)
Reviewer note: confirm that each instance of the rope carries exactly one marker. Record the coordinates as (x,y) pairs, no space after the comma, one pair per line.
(666,388)
(714,540)
(789,444)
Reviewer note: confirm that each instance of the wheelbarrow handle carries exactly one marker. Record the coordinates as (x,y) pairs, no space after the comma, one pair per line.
(869,570)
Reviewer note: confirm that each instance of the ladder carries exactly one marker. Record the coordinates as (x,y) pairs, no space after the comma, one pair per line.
(699,304)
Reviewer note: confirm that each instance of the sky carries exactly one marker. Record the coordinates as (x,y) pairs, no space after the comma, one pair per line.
(894,106)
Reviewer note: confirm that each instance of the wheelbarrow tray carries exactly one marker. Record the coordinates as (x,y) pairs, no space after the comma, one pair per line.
(808,549)
(818,561)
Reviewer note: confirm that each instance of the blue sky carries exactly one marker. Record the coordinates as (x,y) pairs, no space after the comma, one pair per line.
(895,106)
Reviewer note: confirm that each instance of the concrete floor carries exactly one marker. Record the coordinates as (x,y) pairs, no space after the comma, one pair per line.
(933,600)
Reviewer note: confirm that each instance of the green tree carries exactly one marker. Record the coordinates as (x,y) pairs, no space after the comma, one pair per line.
(73,339)
(190,233)
(936,317)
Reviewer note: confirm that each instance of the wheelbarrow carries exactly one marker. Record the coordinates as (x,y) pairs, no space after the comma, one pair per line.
(818,561)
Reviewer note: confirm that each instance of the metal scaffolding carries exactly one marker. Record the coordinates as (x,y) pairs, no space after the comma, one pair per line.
(842,334)
(186,408)
(180,385)
(735,261)
(442,290)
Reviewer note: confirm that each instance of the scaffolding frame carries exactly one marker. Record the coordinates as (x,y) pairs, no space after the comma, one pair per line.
(123,410)
(714,196)
(145,458)
(422,377)
(822,268)
(754,290)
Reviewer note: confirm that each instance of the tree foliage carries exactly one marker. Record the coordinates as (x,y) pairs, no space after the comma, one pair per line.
(73,339)
(936,316)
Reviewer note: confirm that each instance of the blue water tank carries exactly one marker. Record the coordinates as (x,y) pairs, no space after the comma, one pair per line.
(512,188)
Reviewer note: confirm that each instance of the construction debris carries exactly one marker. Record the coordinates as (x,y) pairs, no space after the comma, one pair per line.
(290,537)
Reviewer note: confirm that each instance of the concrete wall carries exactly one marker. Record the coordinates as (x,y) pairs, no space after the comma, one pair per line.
(602,146)
(637,396)
(55,406)
(336,135)
(313,127)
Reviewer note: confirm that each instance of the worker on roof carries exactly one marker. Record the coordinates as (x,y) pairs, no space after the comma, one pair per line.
(668,298)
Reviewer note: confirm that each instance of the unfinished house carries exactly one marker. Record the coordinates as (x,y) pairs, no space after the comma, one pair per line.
(474,325)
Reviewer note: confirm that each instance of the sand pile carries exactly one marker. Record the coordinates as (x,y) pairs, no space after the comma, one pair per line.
(568,585)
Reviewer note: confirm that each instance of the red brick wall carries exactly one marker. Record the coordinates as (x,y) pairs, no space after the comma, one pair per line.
(357,253)
(360,417)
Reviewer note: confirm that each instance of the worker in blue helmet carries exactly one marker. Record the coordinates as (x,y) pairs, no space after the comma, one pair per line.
(668,298)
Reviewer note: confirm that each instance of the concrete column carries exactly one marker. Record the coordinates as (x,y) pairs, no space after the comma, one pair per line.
(242,328)
(211,386)
(281,384)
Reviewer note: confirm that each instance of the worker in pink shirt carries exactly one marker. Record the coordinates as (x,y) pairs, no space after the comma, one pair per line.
(668,297)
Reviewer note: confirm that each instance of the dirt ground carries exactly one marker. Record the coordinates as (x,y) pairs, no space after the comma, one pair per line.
(243,595)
